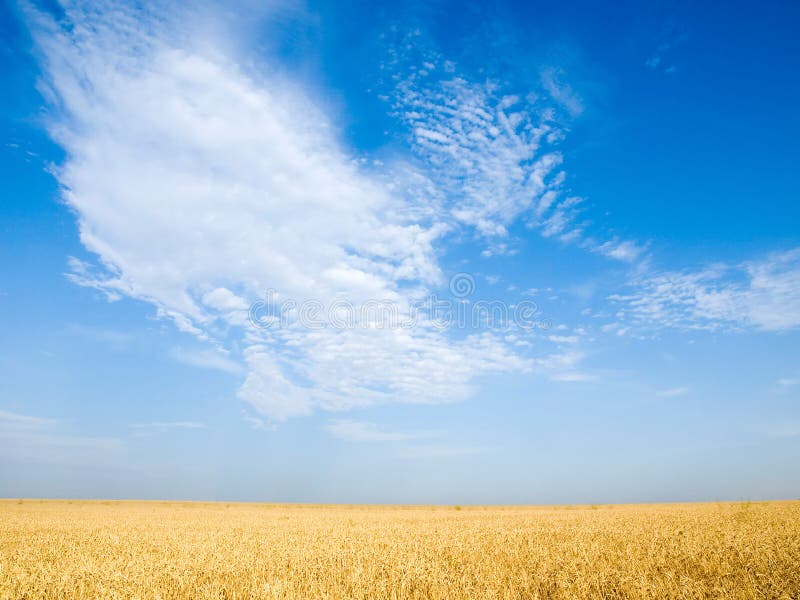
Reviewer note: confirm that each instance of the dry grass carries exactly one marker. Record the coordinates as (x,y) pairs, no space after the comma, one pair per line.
(62,549)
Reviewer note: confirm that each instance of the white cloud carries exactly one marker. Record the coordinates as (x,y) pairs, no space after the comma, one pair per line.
(564,339)
(572,377)
(441,451)
(564,367)
(787,382)
(199,184)
(164,426)
(222,299)
(257,422)
(206,358)
(269,390)
(10,419)
(673,392)
(762,294)
(561,92)
(624,250)
(361,431)
(358,367)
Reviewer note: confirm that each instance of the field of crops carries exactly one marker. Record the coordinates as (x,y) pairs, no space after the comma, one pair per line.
(78,549)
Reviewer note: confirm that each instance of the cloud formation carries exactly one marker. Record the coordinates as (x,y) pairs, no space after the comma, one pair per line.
(12,420)
(493,154)
(761,294)
(165,427)
(199,185)
(361,431)
(206,358)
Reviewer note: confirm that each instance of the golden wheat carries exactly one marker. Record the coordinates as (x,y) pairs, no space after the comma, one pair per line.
(78,549)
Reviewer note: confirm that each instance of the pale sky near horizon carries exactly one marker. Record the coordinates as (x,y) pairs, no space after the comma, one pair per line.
(200,201)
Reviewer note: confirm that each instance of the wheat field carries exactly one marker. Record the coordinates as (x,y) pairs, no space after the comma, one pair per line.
(92,549)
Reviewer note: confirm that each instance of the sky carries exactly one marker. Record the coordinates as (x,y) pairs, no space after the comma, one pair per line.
(439,252)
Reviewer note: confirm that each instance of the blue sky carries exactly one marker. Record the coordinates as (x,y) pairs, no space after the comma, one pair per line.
(620,181)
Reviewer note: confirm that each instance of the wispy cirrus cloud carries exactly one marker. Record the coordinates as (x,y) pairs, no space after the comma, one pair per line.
(493,153)
(671,36)
(761,294)
(487,151)
(363,431)
(206,358)
(788,382)
(441,451)
(623,250)
(673,392)
(561,91)
(165,427)
(9,419)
